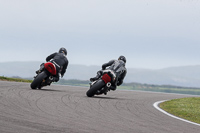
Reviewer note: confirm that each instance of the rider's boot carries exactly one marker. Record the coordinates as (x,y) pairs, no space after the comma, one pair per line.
(113,87)
(41,69)
(93,79)
(99,73)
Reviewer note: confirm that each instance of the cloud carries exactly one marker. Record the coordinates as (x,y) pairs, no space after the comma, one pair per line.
(153,34)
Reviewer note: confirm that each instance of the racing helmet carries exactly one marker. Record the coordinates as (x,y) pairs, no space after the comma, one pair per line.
(122,58)
(63,50)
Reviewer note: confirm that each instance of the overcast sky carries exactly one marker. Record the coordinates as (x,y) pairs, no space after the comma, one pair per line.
(150,33)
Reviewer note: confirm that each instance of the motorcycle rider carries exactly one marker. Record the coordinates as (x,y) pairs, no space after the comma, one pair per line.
(60,60)
(118,67)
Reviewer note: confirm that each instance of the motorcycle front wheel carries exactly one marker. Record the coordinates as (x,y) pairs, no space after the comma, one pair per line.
(38,80)
(97,86)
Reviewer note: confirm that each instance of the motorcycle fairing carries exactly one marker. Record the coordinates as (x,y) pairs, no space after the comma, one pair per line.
(50,67)
(106,78)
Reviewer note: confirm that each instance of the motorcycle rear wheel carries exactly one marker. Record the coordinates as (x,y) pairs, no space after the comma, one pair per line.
(38,80)
(97,86)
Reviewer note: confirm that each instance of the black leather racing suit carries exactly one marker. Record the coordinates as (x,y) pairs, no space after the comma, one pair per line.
(60,61)
(118,66)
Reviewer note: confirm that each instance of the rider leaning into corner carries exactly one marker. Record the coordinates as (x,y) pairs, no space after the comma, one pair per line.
(118,66)
(60,60)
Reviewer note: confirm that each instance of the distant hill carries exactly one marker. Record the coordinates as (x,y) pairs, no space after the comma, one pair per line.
(188,76)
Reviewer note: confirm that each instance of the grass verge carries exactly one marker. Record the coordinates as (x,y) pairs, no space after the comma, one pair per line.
(186,108)
(14,79)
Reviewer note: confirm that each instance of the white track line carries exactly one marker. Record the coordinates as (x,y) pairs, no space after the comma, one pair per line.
(156,106)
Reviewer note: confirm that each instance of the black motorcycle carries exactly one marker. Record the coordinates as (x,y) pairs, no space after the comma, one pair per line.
(103,84)
(45,77)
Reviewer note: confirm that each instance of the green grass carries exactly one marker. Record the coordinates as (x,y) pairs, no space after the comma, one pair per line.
(187,108)
(14,79)
(160,88)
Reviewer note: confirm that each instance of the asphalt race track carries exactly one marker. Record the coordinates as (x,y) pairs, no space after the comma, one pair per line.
(66,109)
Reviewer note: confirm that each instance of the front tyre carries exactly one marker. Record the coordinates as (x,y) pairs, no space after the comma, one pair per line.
(38,80)
(97,86)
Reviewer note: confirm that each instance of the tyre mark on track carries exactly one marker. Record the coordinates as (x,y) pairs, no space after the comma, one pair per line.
(67,109)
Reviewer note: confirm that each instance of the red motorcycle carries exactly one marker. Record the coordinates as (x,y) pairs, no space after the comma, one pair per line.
(103,84)
(45,77)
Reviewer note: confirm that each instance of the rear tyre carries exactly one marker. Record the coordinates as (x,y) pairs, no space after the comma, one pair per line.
(97,86)
(38,80)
